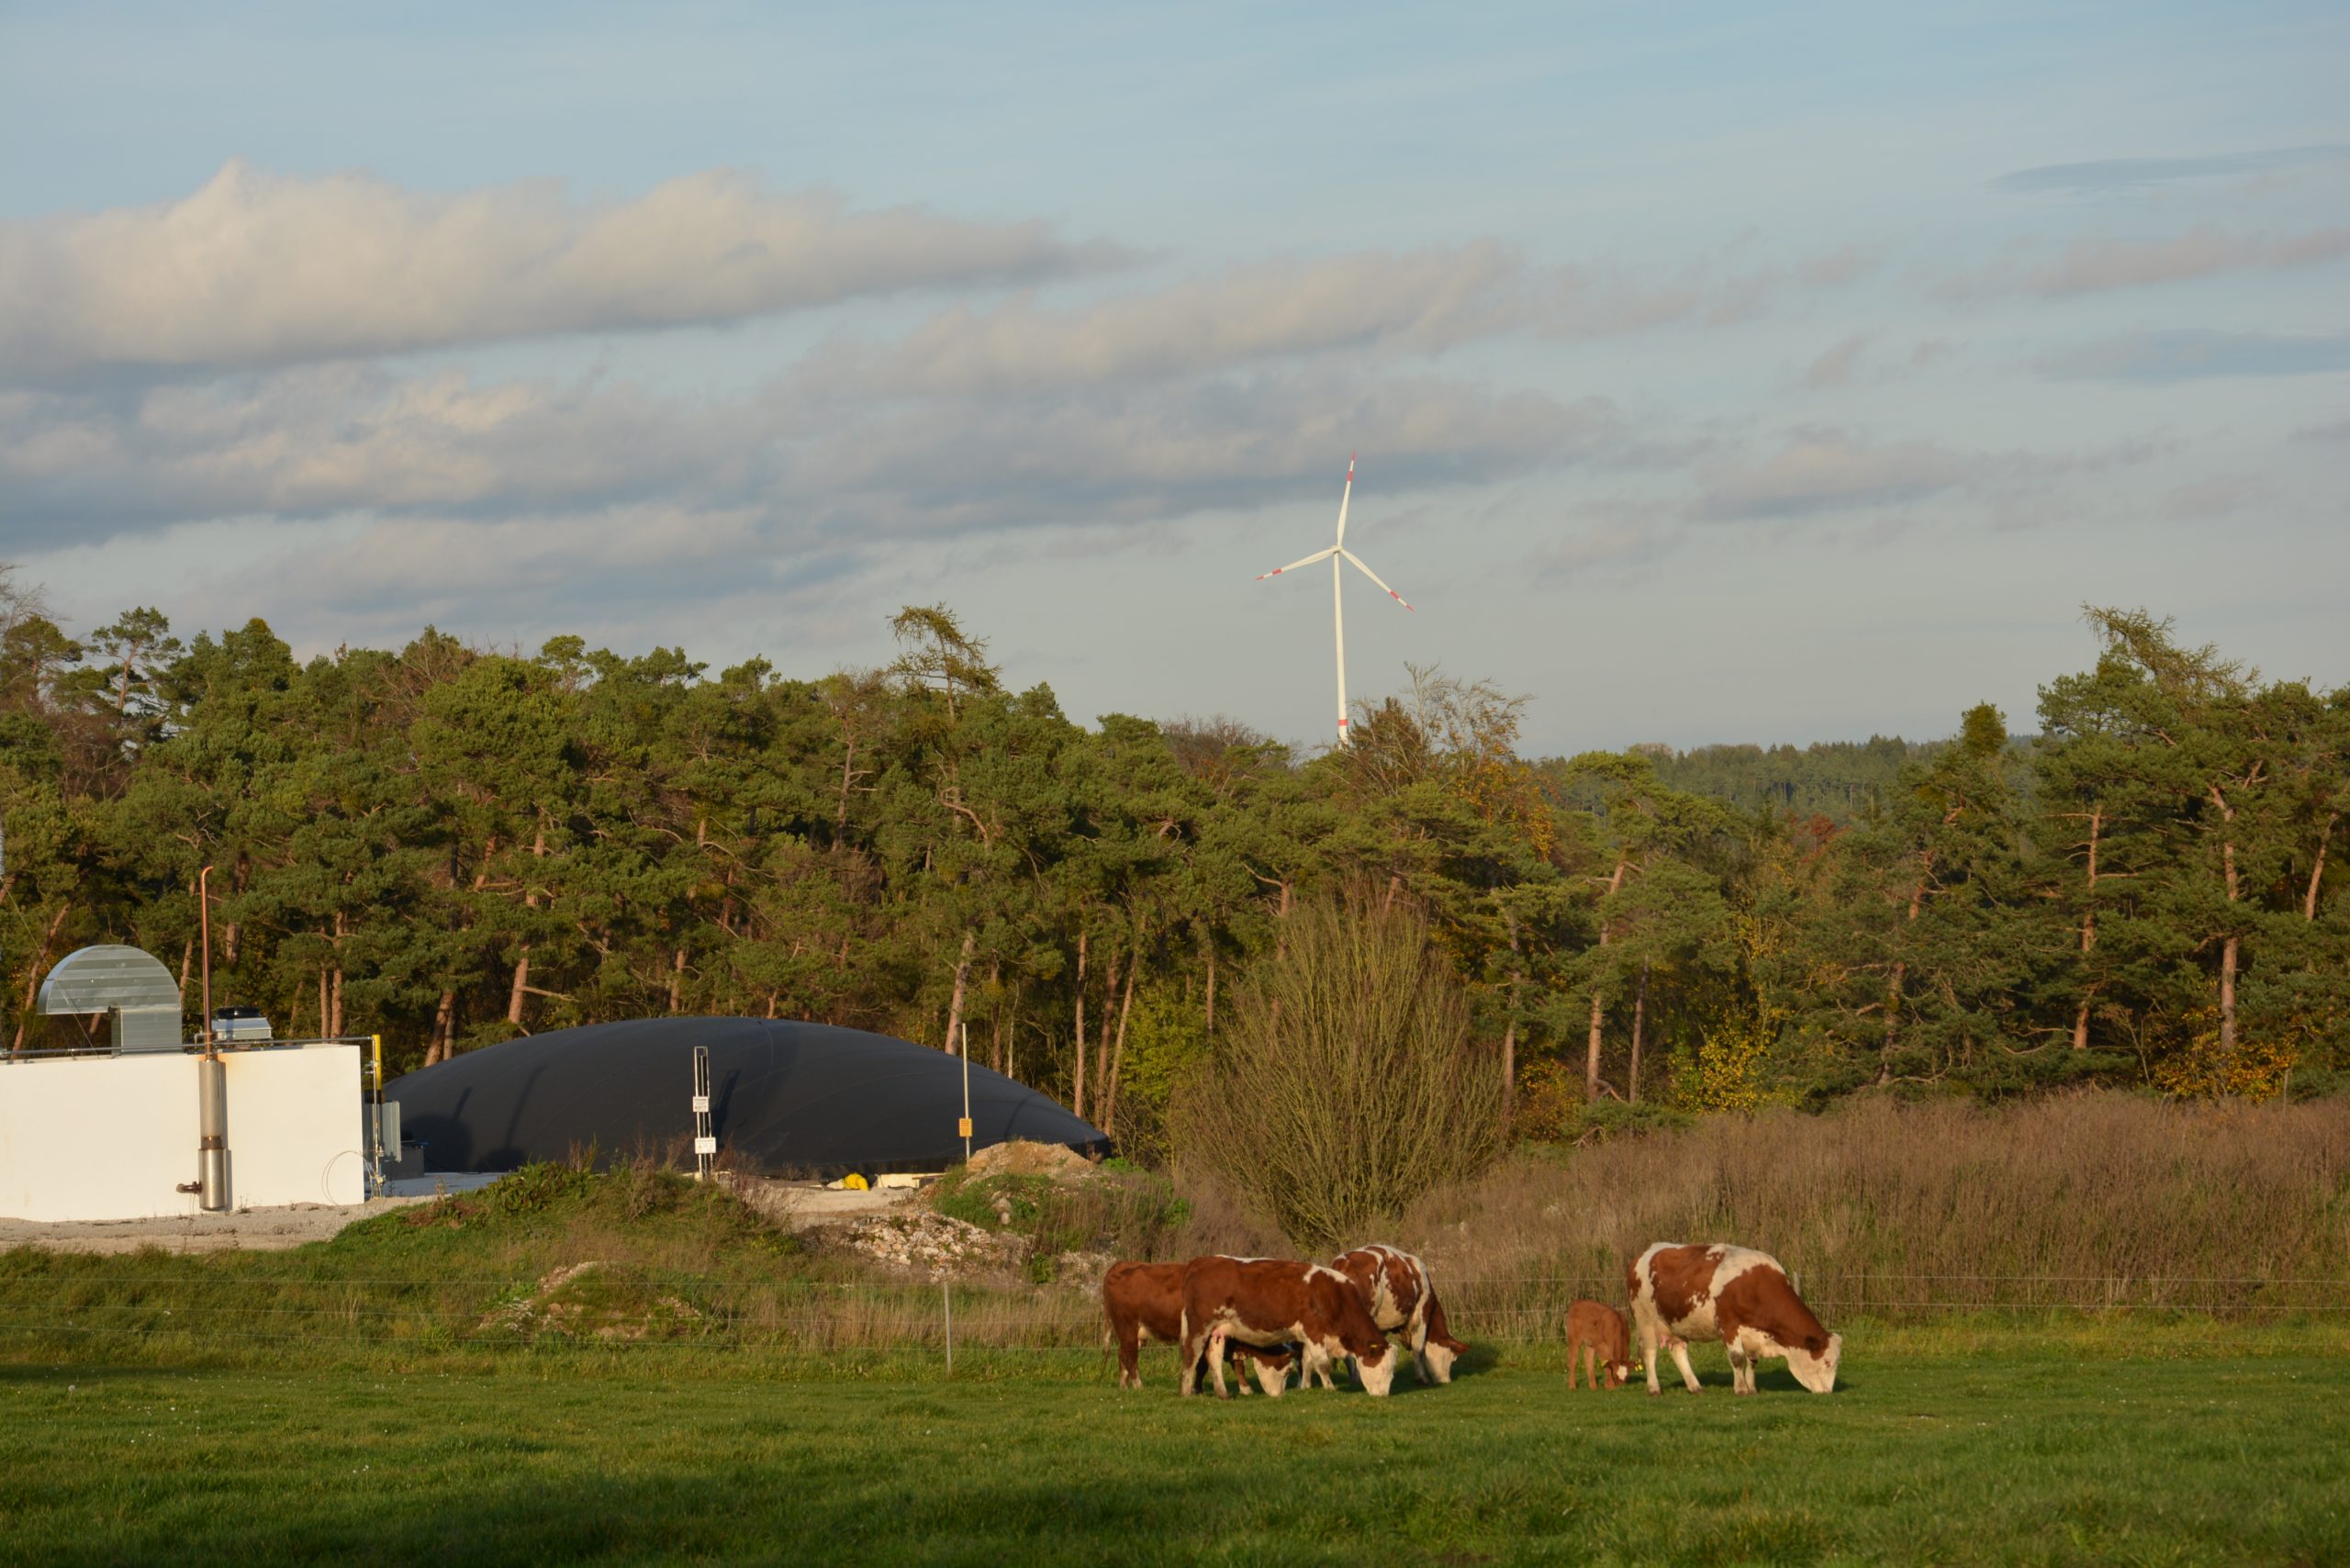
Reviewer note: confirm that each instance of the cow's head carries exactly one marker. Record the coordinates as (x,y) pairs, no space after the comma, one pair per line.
(1376,1368)
(1618,1373)
(1815,1360)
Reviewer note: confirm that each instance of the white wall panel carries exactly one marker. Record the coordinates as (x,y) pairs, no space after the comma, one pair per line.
(110,1137)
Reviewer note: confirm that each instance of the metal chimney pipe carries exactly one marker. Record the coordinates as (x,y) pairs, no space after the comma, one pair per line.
(212,1126)
(203,916)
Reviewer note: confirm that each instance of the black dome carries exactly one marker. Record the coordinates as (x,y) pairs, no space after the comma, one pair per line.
(783,1097)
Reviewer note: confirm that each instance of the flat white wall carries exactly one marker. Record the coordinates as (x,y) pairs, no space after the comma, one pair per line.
(110,1137)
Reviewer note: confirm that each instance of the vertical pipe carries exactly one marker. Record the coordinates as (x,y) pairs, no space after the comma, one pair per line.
(203,906)
(212,1127)
(375,1121)
(967,1093)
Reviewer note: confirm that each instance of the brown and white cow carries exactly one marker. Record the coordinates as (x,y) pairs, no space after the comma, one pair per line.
(1595,1332)
(1271,1302)
(1738,1295)
(1396,1291)
(1145,1301)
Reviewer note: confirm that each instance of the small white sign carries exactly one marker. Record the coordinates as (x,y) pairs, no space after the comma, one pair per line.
(705,1146)
(701,1104)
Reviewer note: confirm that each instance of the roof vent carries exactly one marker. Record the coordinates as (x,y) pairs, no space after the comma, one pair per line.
(132,985)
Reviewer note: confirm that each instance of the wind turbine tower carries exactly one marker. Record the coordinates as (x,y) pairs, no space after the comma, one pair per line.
(1335,554)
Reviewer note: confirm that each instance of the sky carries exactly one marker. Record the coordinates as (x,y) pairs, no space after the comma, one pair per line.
(1716,373)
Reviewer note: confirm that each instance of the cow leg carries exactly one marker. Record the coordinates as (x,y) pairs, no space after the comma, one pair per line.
(1741,1368)
(1216,1363)
(1649,1337)
(1680,1359)
(1415,1334)
(1189,1347)
(1130,1361)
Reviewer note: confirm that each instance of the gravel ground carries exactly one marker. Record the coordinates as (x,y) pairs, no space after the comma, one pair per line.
(247,1229)
(787,1204)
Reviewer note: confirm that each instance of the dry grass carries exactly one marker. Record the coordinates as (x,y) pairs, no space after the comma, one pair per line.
(2103,1215)
(1885,1209)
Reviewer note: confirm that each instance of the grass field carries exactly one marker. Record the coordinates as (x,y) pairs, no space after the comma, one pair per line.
(1933,1452)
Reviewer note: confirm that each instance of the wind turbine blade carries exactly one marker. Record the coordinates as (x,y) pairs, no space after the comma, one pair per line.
(1367,572)
(1344,497)
(1317,556)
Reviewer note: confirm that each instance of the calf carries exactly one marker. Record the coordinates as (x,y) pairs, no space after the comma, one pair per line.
(1273,1302)
(1595,1332)
(1145,1301)
(1396,1292)
(1738,1295)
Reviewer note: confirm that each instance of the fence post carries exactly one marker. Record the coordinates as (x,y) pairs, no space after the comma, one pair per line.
(947,1296)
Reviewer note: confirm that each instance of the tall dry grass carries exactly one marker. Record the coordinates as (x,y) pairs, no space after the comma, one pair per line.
(2162,1215)
(1887,1209)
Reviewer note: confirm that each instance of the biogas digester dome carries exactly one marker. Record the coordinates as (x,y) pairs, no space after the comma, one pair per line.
(783,1097)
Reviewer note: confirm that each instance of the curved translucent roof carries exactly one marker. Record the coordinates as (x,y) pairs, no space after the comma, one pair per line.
(110,978)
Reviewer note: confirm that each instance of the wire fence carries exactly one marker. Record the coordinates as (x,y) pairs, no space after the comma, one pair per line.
(624,1307)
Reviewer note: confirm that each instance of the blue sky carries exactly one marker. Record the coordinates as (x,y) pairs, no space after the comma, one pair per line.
(1717,374)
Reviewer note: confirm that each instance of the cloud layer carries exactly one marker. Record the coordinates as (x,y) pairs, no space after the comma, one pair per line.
(2134,174)
(2097,265)
(256,269)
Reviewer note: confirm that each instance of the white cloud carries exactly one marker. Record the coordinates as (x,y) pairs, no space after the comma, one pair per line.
(2097,265)
(1417,301)
(1834,368)
(257,269)
(821,472)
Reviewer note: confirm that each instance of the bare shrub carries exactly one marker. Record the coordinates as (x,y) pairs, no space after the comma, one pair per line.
(1347,1085)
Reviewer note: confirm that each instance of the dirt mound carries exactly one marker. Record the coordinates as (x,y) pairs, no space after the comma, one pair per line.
(602,1301)
(1022,1158)
(932,1245)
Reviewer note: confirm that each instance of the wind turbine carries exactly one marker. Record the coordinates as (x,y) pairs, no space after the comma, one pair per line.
(1335,554)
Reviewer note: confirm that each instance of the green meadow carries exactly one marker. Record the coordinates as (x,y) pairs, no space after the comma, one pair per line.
(2170,1444)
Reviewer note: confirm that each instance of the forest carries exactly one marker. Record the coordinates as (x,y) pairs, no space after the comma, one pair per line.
(451,845)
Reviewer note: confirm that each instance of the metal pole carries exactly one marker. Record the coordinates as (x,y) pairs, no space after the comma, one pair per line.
(212,1132)
(204,905)
(947,1294)
(705,1142)
(966,1091)
(375,1121)
(211,1082)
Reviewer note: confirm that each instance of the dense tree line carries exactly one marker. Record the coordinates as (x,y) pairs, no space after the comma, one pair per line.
(454,847)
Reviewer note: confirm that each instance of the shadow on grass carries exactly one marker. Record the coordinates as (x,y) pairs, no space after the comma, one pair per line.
(682,1508)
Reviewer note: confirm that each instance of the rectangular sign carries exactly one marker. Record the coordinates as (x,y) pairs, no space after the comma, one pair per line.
(963,1127)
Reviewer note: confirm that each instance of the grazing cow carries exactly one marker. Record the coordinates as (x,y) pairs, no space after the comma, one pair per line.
(1145,1301)
(1595,1332)
(1273,1302)
(1738,1295)
(1396,1292)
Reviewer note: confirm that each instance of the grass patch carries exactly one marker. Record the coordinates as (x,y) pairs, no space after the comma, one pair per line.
(1965,1456)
